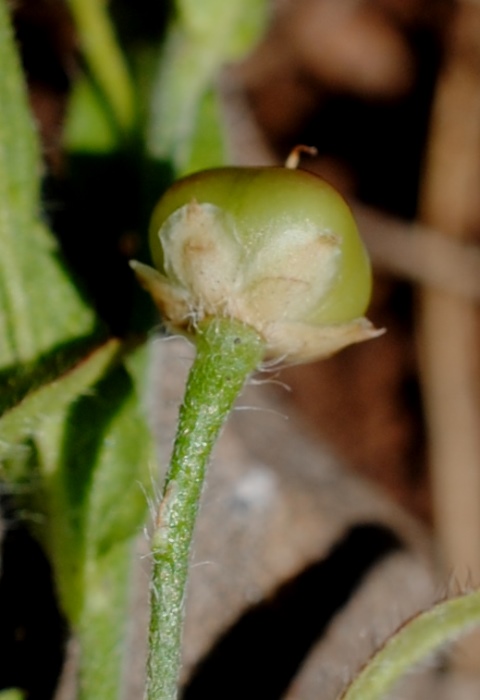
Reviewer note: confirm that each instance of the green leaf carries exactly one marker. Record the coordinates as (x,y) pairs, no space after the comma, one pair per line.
(94,461)
(19,152)
(201,40)
(105,60)
(208,143)
(412,644)
(40,308)
(103,624)
(21,424)
(12,694)
(71,432)
(234,26)
(89,457)
(88,128)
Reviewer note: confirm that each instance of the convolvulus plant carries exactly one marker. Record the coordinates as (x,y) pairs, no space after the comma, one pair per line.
(250,264)
(253,264)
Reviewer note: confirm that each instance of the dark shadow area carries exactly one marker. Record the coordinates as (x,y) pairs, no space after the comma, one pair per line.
(261,654)
(100,215)
(32,630)
(20,380)
(381,140)
(88,420)
(94,215)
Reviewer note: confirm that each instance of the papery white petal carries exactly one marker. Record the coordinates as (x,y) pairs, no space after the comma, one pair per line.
(302,342)
(277,298)
(291,273)
(202,253)
(173,301)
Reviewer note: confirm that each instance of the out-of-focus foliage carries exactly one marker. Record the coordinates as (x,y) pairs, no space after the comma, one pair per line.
(73,440)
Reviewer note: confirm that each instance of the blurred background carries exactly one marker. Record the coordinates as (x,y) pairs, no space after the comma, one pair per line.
(357,80)
(388,92)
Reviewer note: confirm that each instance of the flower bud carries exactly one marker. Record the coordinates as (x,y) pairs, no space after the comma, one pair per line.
(277,249)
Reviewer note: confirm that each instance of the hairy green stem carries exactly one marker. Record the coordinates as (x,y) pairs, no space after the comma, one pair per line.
(419,638)
(227,352)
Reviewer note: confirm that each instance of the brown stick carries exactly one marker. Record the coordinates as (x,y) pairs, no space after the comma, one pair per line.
(448,326)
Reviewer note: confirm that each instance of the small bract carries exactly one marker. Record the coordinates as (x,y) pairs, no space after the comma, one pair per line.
(275,248)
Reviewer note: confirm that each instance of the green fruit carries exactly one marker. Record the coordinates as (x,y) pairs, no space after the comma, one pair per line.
(264,203)
(275,248)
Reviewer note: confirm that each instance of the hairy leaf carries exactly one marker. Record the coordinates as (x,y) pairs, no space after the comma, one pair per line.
(40,307)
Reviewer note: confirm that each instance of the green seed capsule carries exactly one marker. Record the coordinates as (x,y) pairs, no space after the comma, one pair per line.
(275,248)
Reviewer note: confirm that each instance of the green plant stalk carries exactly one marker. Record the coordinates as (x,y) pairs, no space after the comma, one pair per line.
(105,60)
(104,622)
(414,642)
(227,352)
